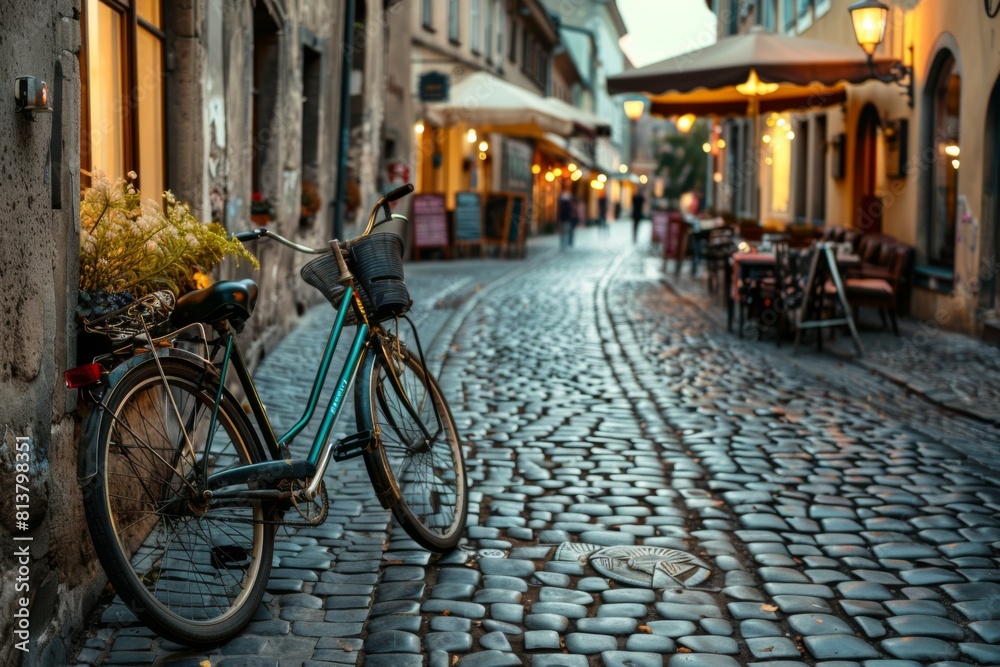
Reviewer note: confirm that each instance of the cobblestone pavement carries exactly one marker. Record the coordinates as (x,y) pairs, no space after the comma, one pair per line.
(949,369)
(646,490)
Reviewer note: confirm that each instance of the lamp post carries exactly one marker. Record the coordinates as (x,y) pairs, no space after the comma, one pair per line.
(869,18)
(634,110)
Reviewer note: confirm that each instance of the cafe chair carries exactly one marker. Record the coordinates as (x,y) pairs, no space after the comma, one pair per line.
(879,292)
(719,246)
(784,293)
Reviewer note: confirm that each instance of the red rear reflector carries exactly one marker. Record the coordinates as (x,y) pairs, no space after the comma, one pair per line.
(82,376)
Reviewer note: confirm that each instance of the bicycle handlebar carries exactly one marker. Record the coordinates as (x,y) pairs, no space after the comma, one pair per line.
(392,196)
(399,192)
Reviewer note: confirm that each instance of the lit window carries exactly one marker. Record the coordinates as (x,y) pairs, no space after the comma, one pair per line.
(123,132)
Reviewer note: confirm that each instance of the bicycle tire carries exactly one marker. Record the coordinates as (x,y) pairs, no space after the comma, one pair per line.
(428,474)
(194,573)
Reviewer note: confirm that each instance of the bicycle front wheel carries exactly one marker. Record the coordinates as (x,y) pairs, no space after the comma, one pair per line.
(419,454)
(193,569)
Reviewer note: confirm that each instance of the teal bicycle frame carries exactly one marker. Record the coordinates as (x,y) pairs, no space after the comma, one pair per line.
(279,467)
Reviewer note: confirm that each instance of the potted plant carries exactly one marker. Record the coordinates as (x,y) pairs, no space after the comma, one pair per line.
(261,210)
(311,202)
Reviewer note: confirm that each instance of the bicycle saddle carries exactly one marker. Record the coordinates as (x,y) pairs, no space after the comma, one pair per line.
(231,300)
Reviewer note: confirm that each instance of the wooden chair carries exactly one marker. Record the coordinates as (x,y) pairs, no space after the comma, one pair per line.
(879,292)
(719,246)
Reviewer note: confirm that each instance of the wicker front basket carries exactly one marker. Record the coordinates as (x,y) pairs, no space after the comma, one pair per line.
(377,264)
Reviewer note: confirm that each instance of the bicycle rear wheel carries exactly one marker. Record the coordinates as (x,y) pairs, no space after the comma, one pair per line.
(419,454)
(193,570)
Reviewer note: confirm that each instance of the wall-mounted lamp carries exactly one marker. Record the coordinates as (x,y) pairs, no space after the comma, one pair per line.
(869,18)
(31,95)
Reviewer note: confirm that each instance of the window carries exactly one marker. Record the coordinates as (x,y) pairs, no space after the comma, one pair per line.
(312,97)
(821,7)
(733,17)
(512,54)
(266,82)
(490,14)
(527,46)
(123,131)
(804,14)
(453,26)
(817,208)
(788,15)
(475,26)
(800,162)
(427,14)
(941,98)
(501,28)
(766,14)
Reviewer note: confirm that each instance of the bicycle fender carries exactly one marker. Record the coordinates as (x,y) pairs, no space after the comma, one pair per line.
(86,455)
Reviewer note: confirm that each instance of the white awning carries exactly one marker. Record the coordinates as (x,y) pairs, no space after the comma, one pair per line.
(491,104)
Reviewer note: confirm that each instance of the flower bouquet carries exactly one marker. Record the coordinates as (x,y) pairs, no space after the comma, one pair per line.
(130,248)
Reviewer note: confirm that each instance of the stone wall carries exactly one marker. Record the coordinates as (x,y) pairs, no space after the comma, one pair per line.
(39,195)
(211,145)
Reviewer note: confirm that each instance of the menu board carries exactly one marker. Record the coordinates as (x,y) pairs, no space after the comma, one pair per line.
(468,217)
(430,221)
(673,246)
(660,219)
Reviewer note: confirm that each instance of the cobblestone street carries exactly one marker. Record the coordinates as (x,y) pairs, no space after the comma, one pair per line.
(787,510)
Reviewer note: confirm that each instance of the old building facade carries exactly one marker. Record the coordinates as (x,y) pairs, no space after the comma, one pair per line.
(215,100)
(925,171)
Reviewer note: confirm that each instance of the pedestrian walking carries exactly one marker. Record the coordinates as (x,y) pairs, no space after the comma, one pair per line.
(567,214)
(638,201)
(602,215)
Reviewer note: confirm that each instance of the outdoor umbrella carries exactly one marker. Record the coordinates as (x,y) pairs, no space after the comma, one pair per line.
(720,79)
(494,105)
(749,73)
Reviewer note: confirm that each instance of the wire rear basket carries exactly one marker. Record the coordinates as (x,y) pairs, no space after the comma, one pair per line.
(126,323)
(377,264)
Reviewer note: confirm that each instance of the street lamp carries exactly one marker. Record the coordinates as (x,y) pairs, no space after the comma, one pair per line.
(869,18)
(685,123)
(634,110)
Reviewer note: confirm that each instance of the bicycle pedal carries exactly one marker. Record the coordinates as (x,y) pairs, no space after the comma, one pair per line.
(353,445)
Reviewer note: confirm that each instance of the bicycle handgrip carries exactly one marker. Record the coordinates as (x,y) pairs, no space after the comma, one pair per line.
(399,192)
(243,237)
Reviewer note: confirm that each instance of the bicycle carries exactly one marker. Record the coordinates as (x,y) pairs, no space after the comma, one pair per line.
(183,496)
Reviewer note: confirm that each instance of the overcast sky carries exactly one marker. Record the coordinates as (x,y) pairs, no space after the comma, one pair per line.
(661,29)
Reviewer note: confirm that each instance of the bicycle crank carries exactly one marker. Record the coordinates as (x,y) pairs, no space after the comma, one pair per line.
(313,512)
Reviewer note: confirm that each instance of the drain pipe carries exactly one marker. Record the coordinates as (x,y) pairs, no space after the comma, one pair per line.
(347,65)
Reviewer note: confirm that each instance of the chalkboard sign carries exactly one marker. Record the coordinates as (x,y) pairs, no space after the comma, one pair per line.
(468,217)
(497,218)
(516,222)
(430,221)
